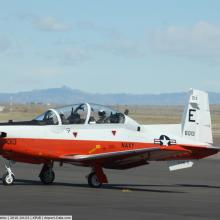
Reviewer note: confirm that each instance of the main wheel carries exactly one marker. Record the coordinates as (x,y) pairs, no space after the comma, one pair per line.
(93,180)
(47,176)
(8,179)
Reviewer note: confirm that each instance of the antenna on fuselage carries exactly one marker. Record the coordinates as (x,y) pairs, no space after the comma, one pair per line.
(126,112)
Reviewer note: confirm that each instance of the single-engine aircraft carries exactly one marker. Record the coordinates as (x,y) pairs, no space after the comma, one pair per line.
(99,137)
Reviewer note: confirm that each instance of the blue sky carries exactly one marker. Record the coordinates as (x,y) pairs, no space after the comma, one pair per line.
(110,46)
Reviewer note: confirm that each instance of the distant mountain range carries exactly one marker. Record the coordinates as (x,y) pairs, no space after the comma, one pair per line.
(66,95)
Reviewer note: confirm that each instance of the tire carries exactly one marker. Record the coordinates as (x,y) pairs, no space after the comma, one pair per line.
(8,179)
(47,177)
(93,181)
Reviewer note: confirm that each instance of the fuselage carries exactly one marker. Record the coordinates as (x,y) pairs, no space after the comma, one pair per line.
(37,144)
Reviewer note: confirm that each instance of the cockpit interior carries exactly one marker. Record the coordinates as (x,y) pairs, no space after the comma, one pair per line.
(84,113)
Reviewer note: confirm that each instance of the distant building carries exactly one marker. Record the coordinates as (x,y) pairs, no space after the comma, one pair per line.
(2,108)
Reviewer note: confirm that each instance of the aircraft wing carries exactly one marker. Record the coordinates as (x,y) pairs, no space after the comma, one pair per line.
(83,157)
(111,158)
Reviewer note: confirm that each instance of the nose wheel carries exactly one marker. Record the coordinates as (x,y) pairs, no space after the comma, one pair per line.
(8,178)
(47,175)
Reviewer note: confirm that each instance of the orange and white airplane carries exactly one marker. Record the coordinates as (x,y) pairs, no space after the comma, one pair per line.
(98,137)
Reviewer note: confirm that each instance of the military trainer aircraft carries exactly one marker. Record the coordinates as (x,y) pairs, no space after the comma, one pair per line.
(98,137)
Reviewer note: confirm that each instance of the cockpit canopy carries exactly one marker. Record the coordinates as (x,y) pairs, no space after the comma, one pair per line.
(81,114)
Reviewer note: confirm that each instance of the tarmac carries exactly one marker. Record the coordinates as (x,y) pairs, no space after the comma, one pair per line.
(148,192)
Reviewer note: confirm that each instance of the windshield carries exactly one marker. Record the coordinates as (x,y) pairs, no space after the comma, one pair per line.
(48,118)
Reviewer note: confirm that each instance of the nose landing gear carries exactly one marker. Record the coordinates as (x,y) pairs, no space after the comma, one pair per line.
(8,178)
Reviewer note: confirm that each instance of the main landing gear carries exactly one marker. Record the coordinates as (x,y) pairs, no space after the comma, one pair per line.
(8,178)
(96,178)
(47,174)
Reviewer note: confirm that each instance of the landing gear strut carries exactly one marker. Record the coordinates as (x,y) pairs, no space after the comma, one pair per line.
(47,174)
(96,178)
(8,178)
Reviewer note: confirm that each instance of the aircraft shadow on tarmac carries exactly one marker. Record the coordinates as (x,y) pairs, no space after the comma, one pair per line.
(198,186)
(128,187)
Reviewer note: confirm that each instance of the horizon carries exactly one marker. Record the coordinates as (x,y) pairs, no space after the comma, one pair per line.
(76,89)
(100,93)
(66,96)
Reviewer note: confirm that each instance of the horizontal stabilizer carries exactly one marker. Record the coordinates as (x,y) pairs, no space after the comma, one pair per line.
(179,165)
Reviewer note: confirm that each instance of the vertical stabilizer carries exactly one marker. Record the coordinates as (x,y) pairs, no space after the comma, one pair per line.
(196,121)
